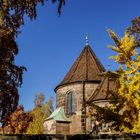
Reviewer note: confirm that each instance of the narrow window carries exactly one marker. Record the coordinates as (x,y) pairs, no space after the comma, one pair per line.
(71,102)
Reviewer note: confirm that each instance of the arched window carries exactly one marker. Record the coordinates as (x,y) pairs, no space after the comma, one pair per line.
(71,102)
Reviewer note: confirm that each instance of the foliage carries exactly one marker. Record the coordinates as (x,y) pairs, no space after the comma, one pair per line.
(10,76)
(36,126)
(12,13)
(123,112)
(39,113)
(18,121)
(129,79)
(48,107)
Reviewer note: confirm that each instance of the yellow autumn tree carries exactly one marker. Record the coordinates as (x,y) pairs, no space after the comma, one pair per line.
(36,126)
(129,81)
(39,113)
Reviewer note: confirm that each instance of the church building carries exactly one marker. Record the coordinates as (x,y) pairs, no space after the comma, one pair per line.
(81,84)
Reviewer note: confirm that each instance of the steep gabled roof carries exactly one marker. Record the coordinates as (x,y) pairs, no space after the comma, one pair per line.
(86,68)
(103,90)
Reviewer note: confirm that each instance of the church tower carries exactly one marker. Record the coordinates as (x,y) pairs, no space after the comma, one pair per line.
(77,87)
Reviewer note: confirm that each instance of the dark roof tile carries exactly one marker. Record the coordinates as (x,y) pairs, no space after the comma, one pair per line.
(86,68)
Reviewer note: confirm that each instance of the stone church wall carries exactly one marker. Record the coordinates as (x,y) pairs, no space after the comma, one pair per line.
(62,128)
(50,127)
(56,127)
(61,101)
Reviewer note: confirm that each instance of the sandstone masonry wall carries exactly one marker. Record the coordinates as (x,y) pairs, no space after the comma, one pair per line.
(61,101)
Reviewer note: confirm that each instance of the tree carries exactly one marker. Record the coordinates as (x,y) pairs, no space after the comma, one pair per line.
(39,113)
(18,121)
(10,76)
(134,30)
(48,107)
(36,126)
(39,99)
(129,78)
(124,109)
(126,105)
(12,13)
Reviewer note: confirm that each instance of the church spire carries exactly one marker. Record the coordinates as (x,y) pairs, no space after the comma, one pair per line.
(86,39)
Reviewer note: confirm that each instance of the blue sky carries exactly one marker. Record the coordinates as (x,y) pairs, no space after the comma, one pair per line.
(50,44)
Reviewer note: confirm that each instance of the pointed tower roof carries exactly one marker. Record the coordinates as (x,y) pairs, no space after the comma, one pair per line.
(85,69)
